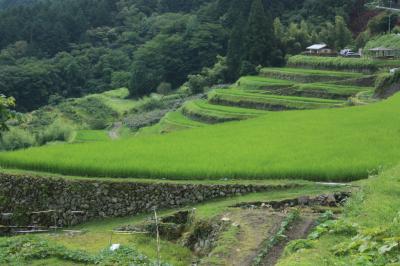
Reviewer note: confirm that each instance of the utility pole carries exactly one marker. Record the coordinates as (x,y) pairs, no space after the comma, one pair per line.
(390,16)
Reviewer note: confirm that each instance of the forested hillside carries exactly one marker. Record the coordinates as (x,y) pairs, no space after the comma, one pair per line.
(69,48)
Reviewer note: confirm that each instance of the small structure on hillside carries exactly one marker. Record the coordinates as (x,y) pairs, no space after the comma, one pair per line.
(384,52)
(319,49)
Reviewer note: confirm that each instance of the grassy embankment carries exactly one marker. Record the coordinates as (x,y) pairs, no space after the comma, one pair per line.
(329,144)
(367,234)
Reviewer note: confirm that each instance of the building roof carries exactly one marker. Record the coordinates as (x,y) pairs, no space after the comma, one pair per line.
(377,49)
(317,46)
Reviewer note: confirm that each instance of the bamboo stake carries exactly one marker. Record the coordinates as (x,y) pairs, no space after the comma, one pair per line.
(158,238)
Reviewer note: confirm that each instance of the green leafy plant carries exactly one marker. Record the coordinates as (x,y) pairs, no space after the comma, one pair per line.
(278,237)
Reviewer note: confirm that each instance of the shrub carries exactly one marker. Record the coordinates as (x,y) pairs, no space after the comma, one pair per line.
(164,88)
(384,82)
(17,139)
(150,103)
(57,131)
(197,83)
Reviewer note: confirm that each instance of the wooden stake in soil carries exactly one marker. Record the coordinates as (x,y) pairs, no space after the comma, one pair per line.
(158,238)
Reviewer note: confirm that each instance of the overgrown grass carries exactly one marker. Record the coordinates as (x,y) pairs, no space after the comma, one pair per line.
(374,210)
(387,40)
(264,100)
(210,113)
(331,144)
(340,63)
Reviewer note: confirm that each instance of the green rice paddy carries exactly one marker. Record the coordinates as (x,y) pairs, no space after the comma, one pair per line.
(310,72)
(264,100)
(258,82)
(328,144)
(204,111)
(91,135)
(329,90)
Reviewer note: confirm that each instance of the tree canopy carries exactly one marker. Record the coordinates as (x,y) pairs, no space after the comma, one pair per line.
(70,48)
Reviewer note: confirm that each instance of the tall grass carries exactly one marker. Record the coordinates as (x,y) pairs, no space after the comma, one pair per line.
(329,144)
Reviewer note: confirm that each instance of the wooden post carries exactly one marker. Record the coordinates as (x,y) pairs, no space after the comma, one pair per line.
(111,235)
(158,238)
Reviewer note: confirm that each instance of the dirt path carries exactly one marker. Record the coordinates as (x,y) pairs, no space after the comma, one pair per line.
(299,230)
(114,132)
(255,225)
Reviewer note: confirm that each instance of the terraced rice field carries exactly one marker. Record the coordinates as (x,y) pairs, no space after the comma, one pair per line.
(263,100)
(258,82)
(252,96)
(210,113)
(328,90)
(177,119)
(325,144)
(308,75)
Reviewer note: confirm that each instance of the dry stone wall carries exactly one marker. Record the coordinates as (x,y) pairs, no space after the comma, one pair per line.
(26,200)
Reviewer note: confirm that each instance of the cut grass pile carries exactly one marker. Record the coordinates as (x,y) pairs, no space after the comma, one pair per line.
(264,100)
(374,210)
(210,113)
(340,63)
(307,75)
(328,144)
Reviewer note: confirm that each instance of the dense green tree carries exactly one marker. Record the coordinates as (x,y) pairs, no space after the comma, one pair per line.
(343,35)
(236,49)
(51,49)
(260,38)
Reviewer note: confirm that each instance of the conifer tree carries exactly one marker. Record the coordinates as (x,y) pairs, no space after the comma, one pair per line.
(260,39)
(235,49)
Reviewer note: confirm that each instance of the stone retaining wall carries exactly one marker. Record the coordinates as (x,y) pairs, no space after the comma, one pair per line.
(27,200)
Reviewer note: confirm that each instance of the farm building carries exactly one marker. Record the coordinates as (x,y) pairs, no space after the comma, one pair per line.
(319,49)
(383,52)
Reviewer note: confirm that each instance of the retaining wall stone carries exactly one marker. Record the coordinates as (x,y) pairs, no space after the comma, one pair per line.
(73,201)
